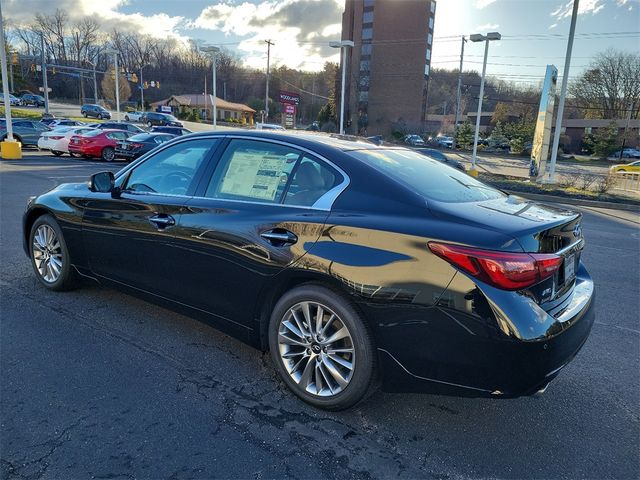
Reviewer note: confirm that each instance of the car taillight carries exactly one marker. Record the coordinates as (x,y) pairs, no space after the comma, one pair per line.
(136,145)
(505,270)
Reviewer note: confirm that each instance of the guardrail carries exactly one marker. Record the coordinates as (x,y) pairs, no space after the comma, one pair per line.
(627,181)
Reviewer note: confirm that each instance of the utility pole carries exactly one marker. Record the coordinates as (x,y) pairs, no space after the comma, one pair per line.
(459,91)
(266,96)
(95,84)
(5,87)
(563,94)
(141,90)
(626,129)
(11,72)
(224,90)
(117,85)
(205,97)
(45,87)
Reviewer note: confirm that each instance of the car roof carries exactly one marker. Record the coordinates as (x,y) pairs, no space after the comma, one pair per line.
(304,138)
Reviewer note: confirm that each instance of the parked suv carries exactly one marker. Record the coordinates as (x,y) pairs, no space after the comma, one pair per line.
(35,100)
(151,119)
(96,111)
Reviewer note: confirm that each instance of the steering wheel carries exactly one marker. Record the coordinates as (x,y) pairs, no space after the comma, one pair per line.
(176,183)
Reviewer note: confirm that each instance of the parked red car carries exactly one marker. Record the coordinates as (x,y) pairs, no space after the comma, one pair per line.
(98,143)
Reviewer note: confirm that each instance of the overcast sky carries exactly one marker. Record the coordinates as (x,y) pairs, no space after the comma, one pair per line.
(534,31)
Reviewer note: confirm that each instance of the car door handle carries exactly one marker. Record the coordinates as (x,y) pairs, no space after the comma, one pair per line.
(279,237)
(162,221)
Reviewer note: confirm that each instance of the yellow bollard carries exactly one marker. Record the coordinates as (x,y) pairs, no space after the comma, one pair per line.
(11,150)
(473,172)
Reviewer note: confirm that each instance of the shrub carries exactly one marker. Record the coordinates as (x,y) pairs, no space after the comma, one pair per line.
(604,182)
(586,180)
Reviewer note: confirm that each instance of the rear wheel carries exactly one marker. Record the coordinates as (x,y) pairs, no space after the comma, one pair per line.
(84,114)
(108,154)
(99,116)
(49,254)
(321,347)
(126,117)
(57,154)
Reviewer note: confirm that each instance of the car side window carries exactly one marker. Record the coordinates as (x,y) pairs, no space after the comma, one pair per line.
(172,170)
(252,170)
(311,180)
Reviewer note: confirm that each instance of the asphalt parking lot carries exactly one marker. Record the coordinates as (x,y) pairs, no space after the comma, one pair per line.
(98,384)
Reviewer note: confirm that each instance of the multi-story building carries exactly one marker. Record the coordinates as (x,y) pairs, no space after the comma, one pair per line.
(388,68)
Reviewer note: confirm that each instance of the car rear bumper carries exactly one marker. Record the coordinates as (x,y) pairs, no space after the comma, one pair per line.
(451,352)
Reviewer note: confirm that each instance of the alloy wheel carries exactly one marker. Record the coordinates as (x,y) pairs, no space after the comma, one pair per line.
(108,154)
(47,253)
(316,349)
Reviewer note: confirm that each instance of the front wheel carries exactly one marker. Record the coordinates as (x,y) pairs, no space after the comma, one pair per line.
(49,255)
(108,154)
(84,114)
(322,348)
(57,154)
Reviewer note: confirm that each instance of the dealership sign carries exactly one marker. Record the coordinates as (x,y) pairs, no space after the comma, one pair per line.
(289,98)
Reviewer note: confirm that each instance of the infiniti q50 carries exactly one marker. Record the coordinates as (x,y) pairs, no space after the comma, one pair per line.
(357,266)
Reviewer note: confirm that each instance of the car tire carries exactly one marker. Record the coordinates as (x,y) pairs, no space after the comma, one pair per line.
(126,118)
(108,154)
(56,153)
(86,157)
(340,379)
(99,116)
(84,114)
(621,170)
(49,254)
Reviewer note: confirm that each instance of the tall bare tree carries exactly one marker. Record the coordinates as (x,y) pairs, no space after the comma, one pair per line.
(609,86)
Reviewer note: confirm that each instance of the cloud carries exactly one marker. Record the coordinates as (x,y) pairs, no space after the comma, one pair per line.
(21,12)
(487,27)
(586,7)
(480,4)
(301,29)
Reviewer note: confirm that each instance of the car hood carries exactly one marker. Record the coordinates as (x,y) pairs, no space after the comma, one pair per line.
(526,221)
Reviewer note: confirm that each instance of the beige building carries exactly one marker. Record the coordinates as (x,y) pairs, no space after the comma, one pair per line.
(388,68)
(186,103)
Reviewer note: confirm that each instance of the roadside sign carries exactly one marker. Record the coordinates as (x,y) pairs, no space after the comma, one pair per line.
(289,98)
(42,89)
(165,108)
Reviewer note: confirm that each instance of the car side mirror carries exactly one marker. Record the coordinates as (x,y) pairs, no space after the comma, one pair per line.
(102,182)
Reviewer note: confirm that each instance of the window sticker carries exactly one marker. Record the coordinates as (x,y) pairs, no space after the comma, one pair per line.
(254,174)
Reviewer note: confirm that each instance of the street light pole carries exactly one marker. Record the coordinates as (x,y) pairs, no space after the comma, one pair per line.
(5,87)
(114,52)
(343,46)
(45,87)
(459,90)
(214,98)
(479,38)
(563,94)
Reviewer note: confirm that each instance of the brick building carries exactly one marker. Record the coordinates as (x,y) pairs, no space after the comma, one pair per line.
(388,68)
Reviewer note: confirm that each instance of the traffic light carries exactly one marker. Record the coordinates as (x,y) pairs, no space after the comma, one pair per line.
(33,67)
(146,85)
(134,78)
(14,58)
(157,84)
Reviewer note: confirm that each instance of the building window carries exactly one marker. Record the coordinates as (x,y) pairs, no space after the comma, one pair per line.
(430,23)
(429,39)
(587,130)
(426,70)
(363,96)
(367,17)
(367,33)
(366,49)
(433,6)
(364,65)
(428,54)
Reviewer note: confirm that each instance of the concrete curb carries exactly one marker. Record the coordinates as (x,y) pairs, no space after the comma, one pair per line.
(576,201)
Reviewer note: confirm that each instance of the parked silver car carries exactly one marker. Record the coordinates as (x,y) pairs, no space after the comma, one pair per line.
(25,131)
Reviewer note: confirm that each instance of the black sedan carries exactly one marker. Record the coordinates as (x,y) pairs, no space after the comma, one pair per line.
(137,145)
(354,265)
(151,119)
(441,157)
(171,130)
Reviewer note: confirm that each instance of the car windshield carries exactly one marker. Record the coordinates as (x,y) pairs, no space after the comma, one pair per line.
(93,133)
(427,177)
(171,118)
(141,137)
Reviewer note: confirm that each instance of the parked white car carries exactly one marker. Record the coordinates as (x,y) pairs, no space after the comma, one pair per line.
(269,126)
(13,100)
(57,141)
(133,116)
(446,142)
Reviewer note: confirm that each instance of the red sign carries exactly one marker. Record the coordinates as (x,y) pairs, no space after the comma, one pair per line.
(289,98)
(291,109)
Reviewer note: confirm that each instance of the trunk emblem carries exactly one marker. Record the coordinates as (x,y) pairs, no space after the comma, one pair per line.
(577,230)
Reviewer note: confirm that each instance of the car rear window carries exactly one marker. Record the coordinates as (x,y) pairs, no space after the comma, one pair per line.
(429,178)
(93,133)
(141,137)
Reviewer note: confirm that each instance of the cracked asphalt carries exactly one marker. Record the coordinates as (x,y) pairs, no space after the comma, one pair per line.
(98,384)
